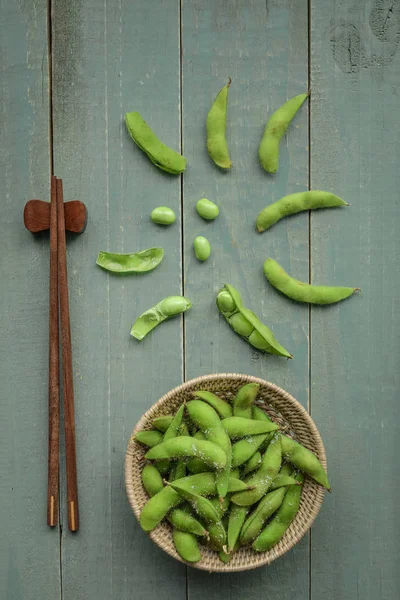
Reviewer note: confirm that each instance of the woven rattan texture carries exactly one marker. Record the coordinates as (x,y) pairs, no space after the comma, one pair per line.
(294,421)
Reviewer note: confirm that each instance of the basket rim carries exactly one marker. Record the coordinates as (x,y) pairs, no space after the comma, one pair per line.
(129,458)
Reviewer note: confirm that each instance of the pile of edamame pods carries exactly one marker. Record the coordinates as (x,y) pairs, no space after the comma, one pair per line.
(223,475)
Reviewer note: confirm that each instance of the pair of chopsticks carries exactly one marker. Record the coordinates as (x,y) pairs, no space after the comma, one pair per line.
(59,309)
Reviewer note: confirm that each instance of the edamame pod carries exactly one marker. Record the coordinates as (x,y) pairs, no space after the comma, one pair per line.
(245,323)
(216,130)
(305,460)
(186,545)
(244,399)
(202,506)
(276,127)
(265,508)
(185,447)
(237,517)
(223,408)
(163,215)
(152,480)
(207,209)
(277,527)
(149,438)
(184,521)
(295,203)
(124,264)
(282,480)
(217,535)
(244,449)
(202,248)
(173,429)
(160,155)
(252,464)
(165,309)
(238,427)
(303,292)
(162,423)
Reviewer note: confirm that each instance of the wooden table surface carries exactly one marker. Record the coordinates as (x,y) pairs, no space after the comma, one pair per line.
(168,59)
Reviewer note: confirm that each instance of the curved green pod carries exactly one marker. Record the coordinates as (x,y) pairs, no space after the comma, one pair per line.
(246,324)
(301,291)
(160,155)
(244,449)
(275,128)
(163,422)
(244,399)
(165,309)
(186,447)
(202,506)
(239,427)
(184,521)
(252,464)
(295,203)
(216,130)
(223,408)
(124,264)
(186,545)
(265,508)
(151,480)
(305,460)
(149,437)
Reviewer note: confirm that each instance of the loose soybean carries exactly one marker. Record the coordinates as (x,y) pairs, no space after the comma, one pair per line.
(207,209)
(202,248)
(162,215)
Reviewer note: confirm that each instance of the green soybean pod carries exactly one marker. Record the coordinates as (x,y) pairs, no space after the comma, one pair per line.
(217,536)
(295,203)
(216,130)
(124,264)
(185,447)
(244,449)
(184,521)
(277,527)
(252,464)
(265,508)
(202,506)
(244,399)
(163,310)
(305,460)
(163,215)
(207,209)
(282,480)
(162,423)
(246,324)
(235,472)
(301,291)
(226,557)
(202,248)
(237,517)
(149,438)
(173,429)
(238,427)
(223,408)
(275,128)
(160,155)
(186,545)
(152,480)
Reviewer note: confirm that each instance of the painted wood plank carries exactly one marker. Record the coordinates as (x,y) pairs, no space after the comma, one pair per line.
(355,345)
(263,47)
(109,59)
(29,550)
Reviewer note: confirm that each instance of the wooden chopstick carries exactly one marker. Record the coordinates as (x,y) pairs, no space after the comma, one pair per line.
(54,381)
(69,418)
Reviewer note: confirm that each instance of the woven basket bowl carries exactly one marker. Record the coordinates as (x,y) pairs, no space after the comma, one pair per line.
(285,411)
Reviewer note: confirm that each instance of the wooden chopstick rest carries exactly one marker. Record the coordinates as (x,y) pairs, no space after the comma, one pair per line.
(37,216)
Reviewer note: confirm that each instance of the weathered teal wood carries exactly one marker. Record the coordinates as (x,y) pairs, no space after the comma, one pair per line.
(29,550)
(355,152)
(264,50)
(109,59)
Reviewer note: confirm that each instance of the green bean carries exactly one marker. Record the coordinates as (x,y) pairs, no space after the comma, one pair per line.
(244,449)
(163,215)
(244,399)
(123,264)
(303,292)
(207,419)
(202,506)
(216,130)
(252,464)
(295,203)
(245,323)
(223,408)
(237,517)
(149,438)
(152,480)
(203,484)
(207,209)
(162,423)
(160,155)
(185,447)
(166,308)
(238,427)
(265,508)
(186,545)
(173,429)
(184,521)
(263,477)
(277,527)
(202,248)
(276,127)
(305,460)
